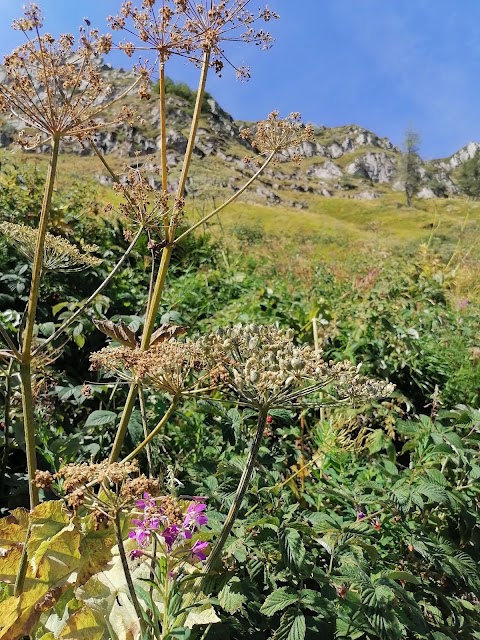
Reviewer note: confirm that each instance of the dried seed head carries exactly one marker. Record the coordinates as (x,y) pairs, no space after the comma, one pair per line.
(53,85)
(167,366)
(275,135)
(59,254)
(189,29)
(144,204)
(263,367)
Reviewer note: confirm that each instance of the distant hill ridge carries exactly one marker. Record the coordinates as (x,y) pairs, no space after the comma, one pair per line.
(347,161)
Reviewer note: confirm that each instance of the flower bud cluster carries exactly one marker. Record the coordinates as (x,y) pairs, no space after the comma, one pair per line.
(263,367)
(59,254)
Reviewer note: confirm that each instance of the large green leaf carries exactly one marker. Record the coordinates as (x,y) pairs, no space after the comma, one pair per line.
(278,600)
(292,626)
(292,548)
(231,597)
(100,418)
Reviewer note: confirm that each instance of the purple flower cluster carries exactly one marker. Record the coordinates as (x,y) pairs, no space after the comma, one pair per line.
(174,534)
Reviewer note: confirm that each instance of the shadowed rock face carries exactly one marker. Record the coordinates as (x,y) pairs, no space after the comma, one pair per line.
(338,155)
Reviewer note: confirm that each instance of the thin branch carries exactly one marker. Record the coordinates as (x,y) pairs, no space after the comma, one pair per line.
(229,201)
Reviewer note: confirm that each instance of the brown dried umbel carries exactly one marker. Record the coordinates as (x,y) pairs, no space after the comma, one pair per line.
(55,86)
(144,204)
(275,134)
(191,28)
(167,366)
(121,485)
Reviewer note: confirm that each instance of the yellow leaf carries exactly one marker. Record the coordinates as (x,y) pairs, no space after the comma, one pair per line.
(83,625)
(13,528)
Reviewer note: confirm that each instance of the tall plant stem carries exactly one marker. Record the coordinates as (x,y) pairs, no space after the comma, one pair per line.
(8,393)
(154,302)
(128,576)
(25,365)
(163,130)
(89,300)
(217,549)
(229,201)
(158,428)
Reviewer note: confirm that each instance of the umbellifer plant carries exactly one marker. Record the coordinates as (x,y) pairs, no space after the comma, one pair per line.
(53,557)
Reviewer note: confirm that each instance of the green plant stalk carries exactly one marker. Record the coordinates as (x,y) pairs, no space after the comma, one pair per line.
(89,300)
(163,131)
(22,569)
(158,428)
(128,576)
(25,365)
(8,392)
(154,303)
(143,411)
(217,549)
(230,200)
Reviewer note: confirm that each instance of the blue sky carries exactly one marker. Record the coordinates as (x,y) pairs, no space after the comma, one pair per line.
(382,64)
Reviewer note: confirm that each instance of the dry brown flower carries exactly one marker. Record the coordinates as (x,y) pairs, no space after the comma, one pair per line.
(77,476)
(191,28)
(144,204)
(55,86)
(43,479)
(275,134)
(137,487)
(167,366)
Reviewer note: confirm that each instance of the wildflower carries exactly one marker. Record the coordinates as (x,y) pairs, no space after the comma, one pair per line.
(361,515)
(196,552)
(143,531)
(195,517)
(55,87)
(146,502)
(135,554)
(170,534)
(376,524)
(59,254)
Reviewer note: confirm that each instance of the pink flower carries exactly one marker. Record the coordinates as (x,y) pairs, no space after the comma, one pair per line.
(170,535)
(146,503)
(196,552)
(141,534)
(194,517)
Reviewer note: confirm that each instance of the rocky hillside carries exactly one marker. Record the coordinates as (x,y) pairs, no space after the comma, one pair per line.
(348,161)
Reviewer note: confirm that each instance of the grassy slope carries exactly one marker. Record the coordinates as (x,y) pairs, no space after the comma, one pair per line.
(338,229)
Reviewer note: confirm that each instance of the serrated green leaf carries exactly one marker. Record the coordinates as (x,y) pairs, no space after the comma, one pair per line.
(292,548)
(100,418)
(231,597)
(292,626)
(279,600)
